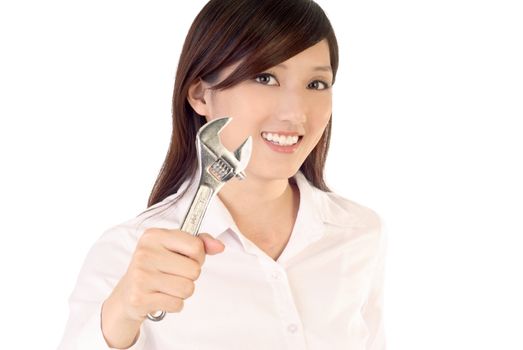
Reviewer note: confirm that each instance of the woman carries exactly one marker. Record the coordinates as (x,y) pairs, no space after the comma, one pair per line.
(282,262)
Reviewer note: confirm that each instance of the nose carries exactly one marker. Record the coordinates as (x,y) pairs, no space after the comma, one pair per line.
(292,106)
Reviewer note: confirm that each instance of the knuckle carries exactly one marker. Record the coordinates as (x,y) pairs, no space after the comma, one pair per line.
(153,230)
(197,247)
(179,305)
(135,300)
(196,271)
(189,289)
(150,234)
(176,305)
(141,256)
(139,278)
(147,234)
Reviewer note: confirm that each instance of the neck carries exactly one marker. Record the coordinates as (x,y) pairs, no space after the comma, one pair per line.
(253,202)
(251,193)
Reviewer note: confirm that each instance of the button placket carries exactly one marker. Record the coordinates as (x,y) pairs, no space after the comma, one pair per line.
(284,302)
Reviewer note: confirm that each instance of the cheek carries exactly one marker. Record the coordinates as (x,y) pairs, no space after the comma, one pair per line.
(240,106)
(236,102)
(319,116)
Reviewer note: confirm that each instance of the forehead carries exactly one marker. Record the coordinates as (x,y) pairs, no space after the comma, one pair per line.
(313,57)
(316,55)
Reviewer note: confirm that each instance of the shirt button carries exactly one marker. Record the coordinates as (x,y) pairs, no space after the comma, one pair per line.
(292,328)
(275,275)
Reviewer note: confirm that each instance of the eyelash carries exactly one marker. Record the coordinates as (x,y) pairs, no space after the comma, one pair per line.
(325,84)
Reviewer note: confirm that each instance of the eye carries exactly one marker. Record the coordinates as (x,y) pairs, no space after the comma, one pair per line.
(266,79)
(318,85)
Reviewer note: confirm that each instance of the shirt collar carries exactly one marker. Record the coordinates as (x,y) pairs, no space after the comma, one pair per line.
(309,225)
(217,219)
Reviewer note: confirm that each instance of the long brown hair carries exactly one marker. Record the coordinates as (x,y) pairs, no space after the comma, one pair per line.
(261,34)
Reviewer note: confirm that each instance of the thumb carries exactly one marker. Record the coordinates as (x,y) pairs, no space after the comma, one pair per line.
(212,245)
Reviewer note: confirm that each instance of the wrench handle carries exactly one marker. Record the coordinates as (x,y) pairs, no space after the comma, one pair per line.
(191,224)
(197,210)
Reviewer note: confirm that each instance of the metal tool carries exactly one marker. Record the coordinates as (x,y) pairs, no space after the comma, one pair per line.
(217,165)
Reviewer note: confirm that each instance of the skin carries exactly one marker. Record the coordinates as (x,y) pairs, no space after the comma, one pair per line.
(166,263)
(295,98)
(160,276)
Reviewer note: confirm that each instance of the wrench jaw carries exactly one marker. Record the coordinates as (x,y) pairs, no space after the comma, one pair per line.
(217,161)
(237,161)
(208,134)
(243,155)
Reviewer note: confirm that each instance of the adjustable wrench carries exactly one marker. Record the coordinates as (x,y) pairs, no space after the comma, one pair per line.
(217,165)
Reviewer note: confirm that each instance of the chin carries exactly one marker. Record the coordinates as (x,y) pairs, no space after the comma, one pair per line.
(273,173)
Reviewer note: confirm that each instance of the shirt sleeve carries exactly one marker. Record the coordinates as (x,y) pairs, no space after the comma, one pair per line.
(103,267)
(372,310)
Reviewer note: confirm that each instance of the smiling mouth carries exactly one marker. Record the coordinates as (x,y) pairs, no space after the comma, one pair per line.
(281,139)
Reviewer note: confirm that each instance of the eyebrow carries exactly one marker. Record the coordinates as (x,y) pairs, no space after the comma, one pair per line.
(317,68)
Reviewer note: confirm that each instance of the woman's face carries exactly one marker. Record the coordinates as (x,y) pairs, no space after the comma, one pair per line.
(285,109)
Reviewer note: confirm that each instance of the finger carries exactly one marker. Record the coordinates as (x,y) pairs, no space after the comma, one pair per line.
(167,262)
(179,242)
(160,301)
(212,245)
(175,286)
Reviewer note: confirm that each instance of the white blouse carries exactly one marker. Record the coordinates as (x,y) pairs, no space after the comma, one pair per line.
(325,291)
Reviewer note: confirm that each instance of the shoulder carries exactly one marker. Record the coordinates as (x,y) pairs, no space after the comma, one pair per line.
(164,214)
(351,221)
(340,211)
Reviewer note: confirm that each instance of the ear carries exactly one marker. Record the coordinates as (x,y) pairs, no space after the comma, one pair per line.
(196,97)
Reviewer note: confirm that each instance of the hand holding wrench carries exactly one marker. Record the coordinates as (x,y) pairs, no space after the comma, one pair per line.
(217,166)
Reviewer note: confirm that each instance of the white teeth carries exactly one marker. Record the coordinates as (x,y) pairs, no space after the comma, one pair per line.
(281,140)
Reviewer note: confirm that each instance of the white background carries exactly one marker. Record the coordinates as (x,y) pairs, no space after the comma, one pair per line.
(427,112)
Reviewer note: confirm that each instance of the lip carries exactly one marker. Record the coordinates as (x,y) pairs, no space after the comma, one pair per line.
(284,149)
